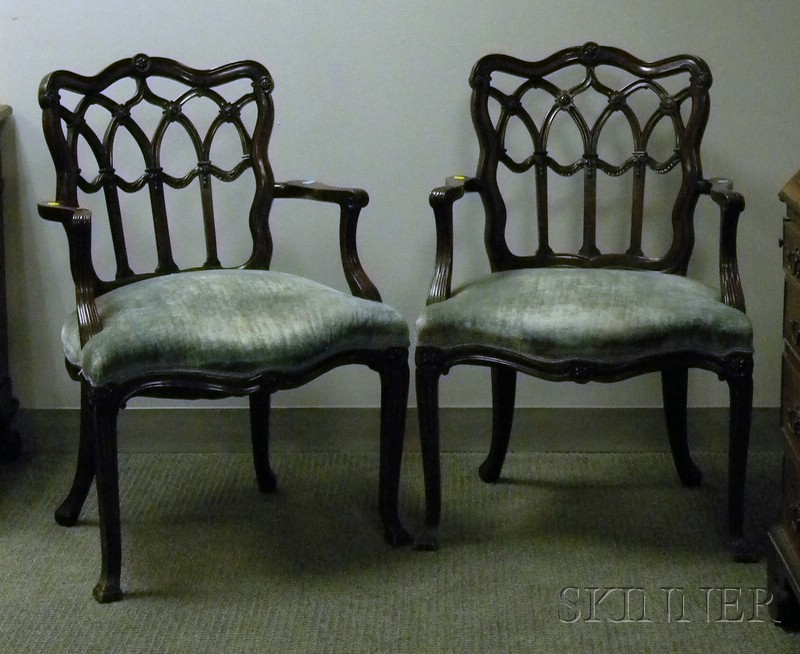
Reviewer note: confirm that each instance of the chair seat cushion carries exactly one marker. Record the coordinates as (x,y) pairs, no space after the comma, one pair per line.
(226,321)
(586,314)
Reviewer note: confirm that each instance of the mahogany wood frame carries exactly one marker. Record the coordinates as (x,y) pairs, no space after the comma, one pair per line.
(735,369)
(63,127)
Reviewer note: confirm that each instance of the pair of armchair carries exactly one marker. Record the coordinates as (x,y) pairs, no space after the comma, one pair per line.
(207,328)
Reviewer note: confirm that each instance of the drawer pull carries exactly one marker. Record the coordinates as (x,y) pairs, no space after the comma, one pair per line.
(794,261)
(793,416)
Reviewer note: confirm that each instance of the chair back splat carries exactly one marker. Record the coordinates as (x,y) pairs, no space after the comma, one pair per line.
(137,110)
(571,115)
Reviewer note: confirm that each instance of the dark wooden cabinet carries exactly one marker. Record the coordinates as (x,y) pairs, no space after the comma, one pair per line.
(9,439)
(783,564)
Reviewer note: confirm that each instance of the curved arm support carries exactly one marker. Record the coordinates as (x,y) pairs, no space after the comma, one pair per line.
(731,205)
(351,201)
(77,224)
(442,200)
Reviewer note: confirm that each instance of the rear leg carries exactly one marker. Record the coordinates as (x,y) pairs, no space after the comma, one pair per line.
(504,386)
(674,388)
(259,435)
(69,511)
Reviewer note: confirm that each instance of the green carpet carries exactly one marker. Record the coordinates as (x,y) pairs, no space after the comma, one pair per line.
(210,565)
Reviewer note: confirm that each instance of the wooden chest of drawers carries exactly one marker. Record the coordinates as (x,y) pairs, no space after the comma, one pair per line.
(783,564)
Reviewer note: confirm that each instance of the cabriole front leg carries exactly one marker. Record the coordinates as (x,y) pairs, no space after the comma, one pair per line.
(394,400)
(104,409)
(427,379)
(740,384)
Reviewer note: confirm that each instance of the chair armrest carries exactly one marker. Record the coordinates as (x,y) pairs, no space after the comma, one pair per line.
(77,224)
(312,190)
(731,204)
(442,200)
(351,201)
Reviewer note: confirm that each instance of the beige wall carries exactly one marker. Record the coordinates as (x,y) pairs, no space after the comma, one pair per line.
(374,94)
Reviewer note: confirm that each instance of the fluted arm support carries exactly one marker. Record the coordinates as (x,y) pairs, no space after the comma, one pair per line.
(77,224)
(731,205)
(442,200)
(351,201)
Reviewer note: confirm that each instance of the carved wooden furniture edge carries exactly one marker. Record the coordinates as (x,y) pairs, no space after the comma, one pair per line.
(313,190)
(731,204)
(77,224)
(733,364)
(441,200)
(351,201)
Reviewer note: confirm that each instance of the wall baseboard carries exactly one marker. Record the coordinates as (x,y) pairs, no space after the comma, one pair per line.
(356,430)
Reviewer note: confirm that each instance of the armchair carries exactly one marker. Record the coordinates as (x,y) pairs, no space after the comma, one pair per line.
(180,321)
(592,138)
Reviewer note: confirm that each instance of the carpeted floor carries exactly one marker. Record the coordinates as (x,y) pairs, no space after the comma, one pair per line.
(600,552)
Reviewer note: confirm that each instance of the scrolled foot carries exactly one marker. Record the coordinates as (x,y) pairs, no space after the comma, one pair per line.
(743,550)
(267,483)
(67,514)
(691,476)
(427,541)
(488,472)
(396,536)
(107,591)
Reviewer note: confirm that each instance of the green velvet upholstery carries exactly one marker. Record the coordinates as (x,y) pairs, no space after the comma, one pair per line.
(594,314)
(236,321)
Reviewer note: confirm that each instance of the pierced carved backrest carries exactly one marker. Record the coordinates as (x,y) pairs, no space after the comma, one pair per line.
(154,139)
(582,136)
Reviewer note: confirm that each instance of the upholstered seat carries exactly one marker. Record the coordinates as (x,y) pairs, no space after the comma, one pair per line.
(237,321)
(602,315)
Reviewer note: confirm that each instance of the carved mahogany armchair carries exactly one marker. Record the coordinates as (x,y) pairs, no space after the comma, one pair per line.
(181,323)
(615,302)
